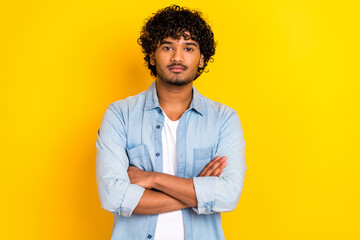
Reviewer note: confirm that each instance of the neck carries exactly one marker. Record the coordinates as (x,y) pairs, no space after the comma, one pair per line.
(174,100)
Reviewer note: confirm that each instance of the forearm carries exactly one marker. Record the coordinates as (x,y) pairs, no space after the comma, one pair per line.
(181,189)
(153,202)
(177,187)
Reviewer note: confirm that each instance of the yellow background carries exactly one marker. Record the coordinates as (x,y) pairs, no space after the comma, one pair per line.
(290,69)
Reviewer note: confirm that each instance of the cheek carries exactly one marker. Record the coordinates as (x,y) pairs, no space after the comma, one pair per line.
(195,63)
(196,60)
(161,61)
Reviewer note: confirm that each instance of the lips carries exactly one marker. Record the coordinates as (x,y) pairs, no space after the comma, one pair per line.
(177,68)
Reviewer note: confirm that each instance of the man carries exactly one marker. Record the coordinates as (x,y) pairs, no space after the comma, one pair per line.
(169,160)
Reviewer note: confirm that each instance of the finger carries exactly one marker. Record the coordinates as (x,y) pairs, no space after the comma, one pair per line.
(218,175)
(209,165)
(214,166)
(217,170)
(206,168)
(220,165)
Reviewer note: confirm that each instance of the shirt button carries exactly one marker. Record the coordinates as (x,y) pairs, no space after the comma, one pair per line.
(158,126)
(149,236)
(157,154)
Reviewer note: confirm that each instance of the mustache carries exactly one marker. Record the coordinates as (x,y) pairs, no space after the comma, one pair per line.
(177,64)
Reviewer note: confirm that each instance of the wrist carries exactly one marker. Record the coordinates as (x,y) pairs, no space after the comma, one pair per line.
(153,178)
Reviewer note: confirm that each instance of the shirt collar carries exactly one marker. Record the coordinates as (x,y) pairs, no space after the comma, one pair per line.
(151,100)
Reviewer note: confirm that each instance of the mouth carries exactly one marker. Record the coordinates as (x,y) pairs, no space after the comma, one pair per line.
(177,68)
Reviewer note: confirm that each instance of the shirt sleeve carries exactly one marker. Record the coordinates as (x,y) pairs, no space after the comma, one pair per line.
(116,193)
(221,194)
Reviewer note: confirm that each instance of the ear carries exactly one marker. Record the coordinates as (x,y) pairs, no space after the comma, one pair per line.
(201,62)
(152,58)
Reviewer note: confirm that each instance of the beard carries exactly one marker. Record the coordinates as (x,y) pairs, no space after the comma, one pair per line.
(176,79)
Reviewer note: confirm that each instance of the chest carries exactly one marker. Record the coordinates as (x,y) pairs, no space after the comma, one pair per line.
(196,142)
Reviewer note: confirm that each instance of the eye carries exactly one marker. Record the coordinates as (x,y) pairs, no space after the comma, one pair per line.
(167,48)
(189,49)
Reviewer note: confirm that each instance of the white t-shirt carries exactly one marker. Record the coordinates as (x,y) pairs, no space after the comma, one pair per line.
(170,225)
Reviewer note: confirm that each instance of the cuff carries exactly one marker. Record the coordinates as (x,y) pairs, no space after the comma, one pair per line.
(131,200)
(205,194)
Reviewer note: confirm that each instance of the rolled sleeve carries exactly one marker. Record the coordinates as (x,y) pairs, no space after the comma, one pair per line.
(222,194)
(116,193)
(131,200)
(205,195)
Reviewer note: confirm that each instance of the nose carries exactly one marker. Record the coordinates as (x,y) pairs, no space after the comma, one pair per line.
(177,55)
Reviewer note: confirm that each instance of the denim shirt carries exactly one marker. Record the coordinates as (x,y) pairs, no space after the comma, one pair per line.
(130,134)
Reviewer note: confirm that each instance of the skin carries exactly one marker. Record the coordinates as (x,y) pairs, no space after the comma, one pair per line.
(177,193)
(177,62)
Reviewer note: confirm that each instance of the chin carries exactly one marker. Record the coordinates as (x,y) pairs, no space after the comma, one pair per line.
(176,81)
(179,82)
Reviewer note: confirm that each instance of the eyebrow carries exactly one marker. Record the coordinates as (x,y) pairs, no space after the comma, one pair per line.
(165,42)
(186,43)
(191,43)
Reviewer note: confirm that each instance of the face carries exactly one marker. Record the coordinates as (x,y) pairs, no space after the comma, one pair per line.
(177,61)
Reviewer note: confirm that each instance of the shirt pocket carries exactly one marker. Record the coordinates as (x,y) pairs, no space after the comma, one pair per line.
(202,156)
(139,157)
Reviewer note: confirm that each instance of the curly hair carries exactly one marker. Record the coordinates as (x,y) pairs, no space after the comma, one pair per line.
(174,21)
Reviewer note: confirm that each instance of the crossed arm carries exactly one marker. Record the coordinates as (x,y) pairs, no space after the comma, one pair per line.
(176,192)
(207,193)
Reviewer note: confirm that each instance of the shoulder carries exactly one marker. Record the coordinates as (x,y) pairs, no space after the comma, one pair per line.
(213,108)
(226,118)
(131,102)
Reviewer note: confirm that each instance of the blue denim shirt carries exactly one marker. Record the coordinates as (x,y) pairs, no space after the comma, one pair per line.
(130,134)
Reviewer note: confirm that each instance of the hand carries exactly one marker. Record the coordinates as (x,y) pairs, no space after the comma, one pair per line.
(214,168)
(140,177)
